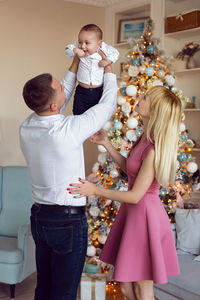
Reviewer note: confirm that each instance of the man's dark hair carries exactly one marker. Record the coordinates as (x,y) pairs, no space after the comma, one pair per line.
(93,27)
(37,92)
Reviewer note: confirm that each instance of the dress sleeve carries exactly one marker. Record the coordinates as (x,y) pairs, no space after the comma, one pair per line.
(147,149)
(69,49)
(111,53)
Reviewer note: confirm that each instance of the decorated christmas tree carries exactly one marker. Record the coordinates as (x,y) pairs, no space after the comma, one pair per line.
(145,67)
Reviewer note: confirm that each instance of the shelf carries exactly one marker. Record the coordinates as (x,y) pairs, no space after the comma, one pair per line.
(196,149)
(191,109)
(184,33)
(187,70)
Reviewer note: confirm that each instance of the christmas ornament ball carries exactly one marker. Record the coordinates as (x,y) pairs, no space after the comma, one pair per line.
(101,148)
(123,91)
(94,211)
(182,127)
(132,122)
(161,73)
(149,71)
(91,250)
(124,153)
(192,167)
(142,69)
(131,90)
(102,158)
(107,126)
(182,156)
(95,167)
(118,125)
(170,80)
(150,49)
(121,100)
(131,135)
(163,192)
(114,173)
(102,238)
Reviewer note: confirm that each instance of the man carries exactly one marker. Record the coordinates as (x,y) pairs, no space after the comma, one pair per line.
(52,146)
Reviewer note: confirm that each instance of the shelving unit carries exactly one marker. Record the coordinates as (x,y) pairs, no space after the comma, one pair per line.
(187,79)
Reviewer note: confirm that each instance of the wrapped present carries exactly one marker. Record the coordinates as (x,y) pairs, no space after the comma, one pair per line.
(93,287)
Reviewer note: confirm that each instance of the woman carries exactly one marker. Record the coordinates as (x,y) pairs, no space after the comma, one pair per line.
(140,244)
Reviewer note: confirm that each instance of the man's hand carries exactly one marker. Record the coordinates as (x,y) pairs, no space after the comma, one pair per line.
(104,62)
(79,52)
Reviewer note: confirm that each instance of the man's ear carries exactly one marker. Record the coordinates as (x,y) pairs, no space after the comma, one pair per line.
(53,107)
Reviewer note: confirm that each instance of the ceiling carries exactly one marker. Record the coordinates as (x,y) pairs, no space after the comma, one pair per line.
(100,3)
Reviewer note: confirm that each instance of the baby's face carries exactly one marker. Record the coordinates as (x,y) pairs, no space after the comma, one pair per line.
(89,42)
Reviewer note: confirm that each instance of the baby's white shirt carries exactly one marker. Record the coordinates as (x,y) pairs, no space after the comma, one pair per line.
(89,71)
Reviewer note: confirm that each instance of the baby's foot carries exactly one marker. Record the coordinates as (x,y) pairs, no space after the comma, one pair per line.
(79,52)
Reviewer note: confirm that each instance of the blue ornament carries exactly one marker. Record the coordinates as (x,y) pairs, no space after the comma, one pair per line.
(139,131)
(124,153)
(123,91)
(182,156)
(149,71)
(127,56)
(150,49)
(184,137)
(118,125)
(135,61)
(163,192)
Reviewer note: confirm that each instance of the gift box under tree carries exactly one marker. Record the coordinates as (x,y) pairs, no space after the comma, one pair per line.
(93,287)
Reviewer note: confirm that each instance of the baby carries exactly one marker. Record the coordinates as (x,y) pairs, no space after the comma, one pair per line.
(94,56)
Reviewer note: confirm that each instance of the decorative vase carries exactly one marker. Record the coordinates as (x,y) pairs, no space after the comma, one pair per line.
(190,63)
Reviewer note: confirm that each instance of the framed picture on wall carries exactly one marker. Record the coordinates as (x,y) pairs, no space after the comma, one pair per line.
(131,28)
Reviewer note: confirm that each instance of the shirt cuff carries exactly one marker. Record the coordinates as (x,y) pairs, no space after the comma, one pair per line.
(110,76)
(69,76)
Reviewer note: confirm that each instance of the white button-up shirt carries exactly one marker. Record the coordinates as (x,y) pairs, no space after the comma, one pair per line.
(52,145)
(89,71)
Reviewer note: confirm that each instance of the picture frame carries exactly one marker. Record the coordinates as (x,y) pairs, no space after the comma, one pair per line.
(131,28)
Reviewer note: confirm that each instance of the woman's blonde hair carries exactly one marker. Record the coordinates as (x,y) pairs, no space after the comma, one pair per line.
(165,118)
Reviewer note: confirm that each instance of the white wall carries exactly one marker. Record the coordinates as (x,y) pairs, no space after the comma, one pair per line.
(33,34)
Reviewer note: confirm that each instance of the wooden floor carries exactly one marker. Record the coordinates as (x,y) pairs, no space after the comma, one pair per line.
(25,290)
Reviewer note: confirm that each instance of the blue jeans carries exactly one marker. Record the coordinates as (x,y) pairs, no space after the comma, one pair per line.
(61,245)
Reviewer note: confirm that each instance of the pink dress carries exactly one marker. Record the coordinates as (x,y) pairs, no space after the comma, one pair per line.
(140,244)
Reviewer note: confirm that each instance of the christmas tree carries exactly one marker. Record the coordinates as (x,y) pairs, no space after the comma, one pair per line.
(145,67)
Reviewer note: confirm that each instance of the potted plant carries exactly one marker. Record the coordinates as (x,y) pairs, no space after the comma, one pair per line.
(189,50)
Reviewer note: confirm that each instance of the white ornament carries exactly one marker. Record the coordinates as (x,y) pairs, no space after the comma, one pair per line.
(132,123)
(94,211)
(114,173)
(131,90)
(102,238)
(133,71)
(161,73)
(126,108)
(142,69)
(101,148)
(108,125)
(95,167)
(182,127)
(102,158)
(170,80)
(157,83)
(192,167)
(131,136)
(91,250)
(121,100)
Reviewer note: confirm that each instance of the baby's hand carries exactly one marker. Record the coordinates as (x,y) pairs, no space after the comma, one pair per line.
(104,62)
(79,52)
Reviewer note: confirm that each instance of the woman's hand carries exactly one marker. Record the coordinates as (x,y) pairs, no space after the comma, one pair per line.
(86,188)
(99,138)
